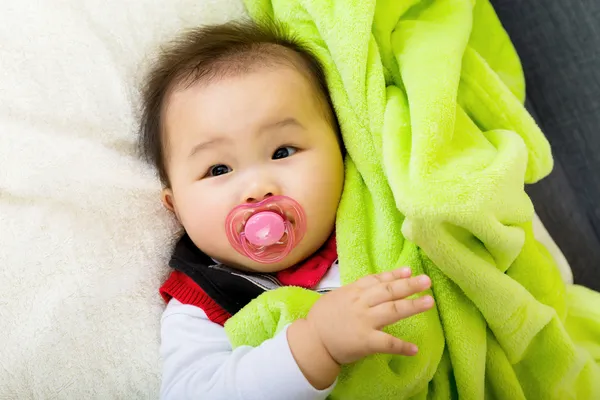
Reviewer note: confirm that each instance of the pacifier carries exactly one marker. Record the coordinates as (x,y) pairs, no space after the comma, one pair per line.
(266,231)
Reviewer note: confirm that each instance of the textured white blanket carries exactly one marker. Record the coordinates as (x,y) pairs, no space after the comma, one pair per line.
(83,238)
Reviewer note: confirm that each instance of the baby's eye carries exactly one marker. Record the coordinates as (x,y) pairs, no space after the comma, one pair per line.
(284,152)
(218,169)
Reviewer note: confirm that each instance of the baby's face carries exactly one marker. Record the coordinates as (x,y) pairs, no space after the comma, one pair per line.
(241,139)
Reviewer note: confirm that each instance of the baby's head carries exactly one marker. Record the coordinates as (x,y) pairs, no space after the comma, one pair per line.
(234,114)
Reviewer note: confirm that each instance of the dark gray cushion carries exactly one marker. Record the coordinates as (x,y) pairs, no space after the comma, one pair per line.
(559,45)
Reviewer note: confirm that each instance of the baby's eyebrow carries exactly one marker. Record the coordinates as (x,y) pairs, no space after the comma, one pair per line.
(204,145)
(290,121)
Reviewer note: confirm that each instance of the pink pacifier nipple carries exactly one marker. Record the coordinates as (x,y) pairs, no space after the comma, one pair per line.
(264,228)
(267,231)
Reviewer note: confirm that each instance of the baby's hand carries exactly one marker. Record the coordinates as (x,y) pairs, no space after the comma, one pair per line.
(345,325)
(348,321)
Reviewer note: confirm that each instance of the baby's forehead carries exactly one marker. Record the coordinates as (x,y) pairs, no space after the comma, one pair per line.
(237,105)
(291,81)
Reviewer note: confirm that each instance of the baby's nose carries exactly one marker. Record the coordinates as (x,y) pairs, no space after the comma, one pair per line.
(258,198)
(259,191)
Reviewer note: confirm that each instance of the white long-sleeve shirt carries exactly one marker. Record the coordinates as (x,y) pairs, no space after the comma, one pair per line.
(199,362)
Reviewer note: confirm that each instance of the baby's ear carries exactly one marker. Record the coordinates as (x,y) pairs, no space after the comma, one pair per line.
(168,200)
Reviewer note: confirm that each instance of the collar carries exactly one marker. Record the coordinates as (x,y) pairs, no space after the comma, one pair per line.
(308,273)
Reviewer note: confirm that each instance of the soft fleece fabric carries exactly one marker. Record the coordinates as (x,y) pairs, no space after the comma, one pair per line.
(429,97)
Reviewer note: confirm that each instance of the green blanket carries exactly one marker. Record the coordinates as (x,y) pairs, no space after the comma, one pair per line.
(429,95)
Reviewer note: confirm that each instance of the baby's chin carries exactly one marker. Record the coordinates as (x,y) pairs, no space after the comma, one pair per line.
(238,261)
(243,263)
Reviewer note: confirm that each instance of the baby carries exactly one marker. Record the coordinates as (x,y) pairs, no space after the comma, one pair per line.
(238,121)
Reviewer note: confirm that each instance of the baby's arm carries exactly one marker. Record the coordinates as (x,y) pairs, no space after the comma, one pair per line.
(198,362)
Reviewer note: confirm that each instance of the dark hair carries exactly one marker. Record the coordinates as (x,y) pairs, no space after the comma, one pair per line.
(213,52)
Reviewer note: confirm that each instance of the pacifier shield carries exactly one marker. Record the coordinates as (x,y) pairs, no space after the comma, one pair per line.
(267,231)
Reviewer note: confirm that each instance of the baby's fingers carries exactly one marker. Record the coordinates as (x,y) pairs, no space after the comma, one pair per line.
(381,342)
(388,276)
(395,290)
(392,311)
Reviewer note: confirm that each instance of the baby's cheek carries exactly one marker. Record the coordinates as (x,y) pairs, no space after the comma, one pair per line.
(208,222)
(203,217)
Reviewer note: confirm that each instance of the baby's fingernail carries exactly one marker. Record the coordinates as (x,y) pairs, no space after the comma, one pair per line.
(426,301)
(405,270)
(413,349)
(423,280)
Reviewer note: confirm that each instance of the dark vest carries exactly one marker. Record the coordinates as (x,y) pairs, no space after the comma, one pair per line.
(231,289)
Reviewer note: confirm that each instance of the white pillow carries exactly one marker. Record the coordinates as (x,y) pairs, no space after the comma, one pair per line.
(84,240)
